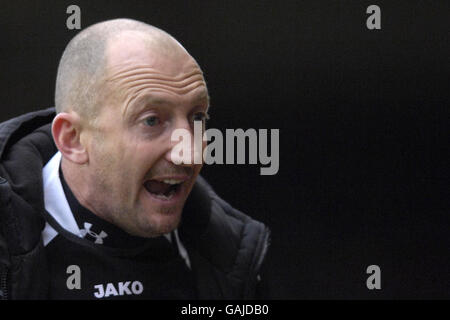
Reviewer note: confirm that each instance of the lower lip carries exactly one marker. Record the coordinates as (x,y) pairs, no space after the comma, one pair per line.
(176,197)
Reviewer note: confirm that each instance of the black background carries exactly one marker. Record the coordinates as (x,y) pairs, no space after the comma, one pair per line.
(363,118)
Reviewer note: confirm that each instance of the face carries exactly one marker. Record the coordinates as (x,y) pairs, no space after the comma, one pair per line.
(133,179)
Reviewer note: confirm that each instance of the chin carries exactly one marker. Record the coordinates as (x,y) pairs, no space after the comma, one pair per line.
(157,223)
(159,215)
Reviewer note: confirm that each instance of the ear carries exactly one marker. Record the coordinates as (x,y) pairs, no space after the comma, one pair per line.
(66,130)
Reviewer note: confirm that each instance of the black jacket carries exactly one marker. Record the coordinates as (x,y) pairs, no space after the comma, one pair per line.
(226,247)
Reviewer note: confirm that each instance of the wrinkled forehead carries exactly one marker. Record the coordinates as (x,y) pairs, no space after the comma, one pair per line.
(154,50)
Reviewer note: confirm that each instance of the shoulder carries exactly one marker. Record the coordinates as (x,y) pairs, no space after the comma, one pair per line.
(227,236)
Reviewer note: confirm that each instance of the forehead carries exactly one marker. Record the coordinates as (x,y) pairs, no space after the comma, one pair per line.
(137,64)
(153,49)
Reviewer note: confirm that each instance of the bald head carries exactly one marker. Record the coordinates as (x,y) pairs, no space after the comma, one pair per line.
(123,88)
(83,66)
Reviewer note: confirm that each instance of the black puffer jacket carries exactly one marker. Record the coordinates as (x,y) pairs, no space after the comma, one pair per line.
(226,247)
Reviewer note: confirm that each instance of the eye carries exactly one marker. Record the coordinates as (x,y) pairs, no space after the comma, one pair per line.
(200,116)
(152,121)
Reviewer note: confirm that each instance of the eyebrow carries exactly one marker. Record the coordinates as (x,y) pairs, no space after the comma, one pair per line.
(151,99)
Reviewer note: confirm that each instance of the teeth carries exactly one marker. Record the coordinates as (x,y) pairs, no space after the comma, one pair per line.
(163,197)
(172,181)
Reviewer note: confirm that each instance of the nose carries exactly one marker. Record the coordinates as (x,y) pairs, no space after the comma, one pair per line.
(186,145)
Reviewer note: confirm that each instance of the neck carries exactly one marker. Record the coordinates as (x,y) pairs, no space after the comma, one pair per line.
(78,182)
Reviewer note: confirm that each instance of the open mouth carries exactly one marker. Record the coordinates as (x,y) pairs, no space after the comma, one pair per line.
(163,189)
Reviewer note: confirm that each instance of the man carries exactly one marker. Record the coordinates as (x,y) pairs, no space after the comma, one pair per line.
(92,202)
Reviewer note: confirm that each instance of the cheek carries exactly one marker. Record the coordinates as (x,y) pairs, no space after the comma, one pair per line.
(107,160)
(129,155)
(150,151)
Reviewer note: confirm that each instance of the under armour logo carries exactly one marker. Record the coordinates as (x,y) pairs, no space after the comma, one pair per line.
(87,230)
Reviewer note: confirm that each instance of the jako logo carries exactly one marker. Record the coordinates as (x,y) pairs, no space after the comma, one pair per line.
(124,289)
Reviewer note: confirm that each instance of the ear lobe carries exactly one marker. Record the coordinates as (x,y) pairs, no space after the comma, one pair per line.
(66,129)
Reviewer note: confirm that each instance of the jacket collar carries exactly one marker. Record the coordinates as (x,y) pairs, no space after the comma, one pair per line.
(15,129)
